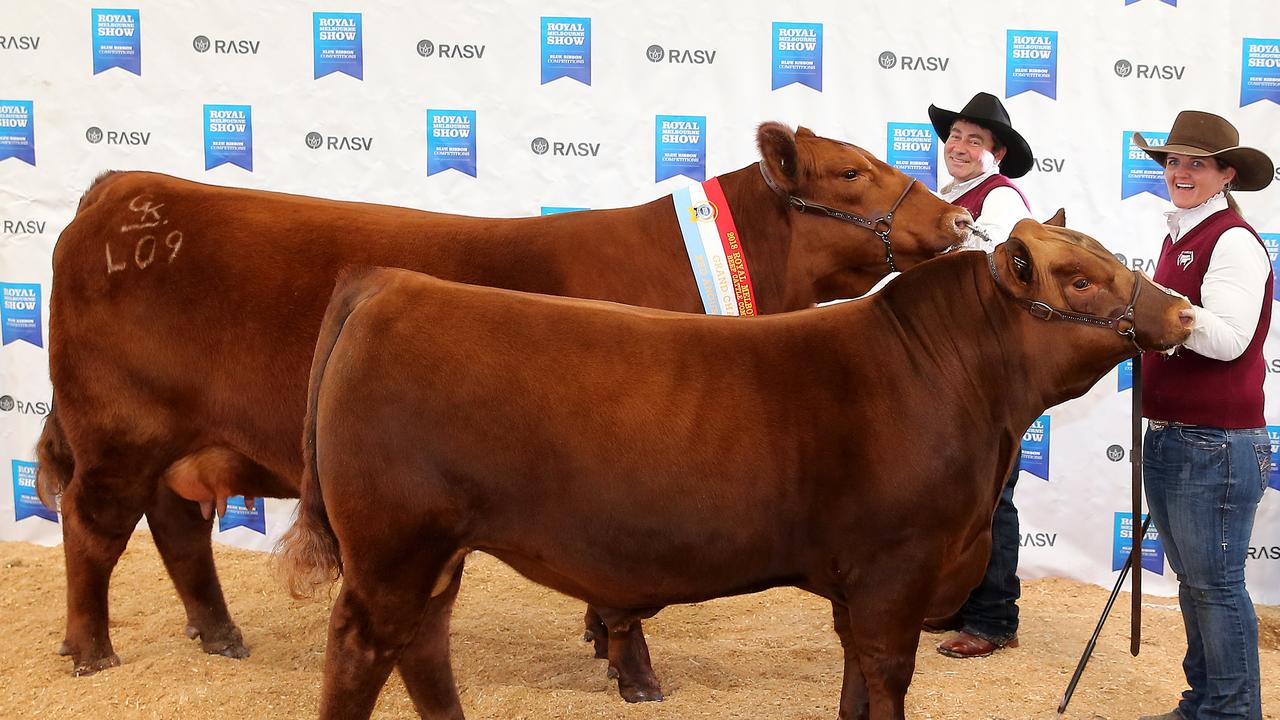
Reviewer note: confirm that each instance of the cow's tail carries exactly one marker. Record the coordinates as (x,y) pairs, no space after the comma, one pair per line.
(308,555)
(54,462)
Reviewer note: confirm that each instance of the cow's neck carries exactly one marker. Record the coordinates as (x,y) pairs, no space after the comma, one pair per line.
(954,324)
(764,225)
(954,319)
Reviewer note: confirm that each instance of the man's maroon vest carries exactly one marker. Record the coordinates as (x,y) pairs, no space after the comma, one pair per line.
(972,200)
(1190,388)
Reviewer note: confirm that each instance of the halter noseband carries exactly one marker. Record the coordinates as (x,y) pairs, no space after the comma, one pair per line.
(1124,324)
(881,226)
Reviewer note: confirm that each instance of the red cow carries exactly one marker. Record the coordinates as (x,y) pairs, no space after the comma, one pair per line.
(183,318)
(638,458)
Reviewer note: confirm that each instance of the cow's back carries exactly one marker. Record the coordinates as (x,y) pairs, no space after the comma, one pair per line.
(184,315)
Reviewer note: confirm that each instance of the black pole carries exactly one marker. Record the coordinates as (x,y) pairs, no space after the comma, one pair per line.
(1135,552)
(1088,649)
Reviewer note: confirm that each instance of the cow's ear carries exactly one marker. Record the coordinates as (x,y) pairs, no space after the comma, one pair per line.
(778,152)
(1020,264)
(1059,219)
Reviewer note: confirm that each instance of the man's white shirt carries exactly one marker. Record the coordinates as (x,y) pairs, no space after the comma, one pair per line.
(1001,210)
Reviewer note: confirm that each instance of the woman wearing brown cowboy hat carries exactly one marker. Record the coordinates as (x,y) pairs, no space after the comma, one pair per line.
(1206,453)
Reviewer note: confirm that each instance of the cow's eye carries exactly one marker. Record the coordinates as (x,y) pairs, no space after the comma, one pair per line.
(1080,284)
(850,174)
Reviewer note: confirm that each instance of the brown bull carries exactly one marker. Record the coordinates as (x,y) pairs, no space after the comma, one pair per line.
(183,319)
(638,458)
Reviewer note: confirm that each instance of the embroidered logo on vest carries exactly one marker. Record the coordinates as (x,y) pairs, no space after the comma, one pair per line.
(1185,258)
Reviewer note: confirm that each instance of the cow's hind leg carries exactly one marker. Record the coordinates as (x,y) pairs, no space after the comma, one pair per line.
(99,513)
(182,535)
(386,596)
(629,654)
(853,693)
(424,664)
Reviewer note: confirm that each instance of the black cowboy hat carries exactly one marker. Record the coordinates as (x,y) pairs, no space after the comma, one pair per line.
(986,110)
(1202,134)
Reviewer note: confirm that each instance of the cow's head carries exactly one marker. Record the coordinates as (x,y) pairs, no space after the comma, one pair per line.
(1073,289)
(844,203)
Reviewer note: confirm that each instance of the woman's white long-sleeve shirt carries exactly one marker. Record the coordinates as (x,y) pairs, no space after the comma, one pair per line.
(1232,291)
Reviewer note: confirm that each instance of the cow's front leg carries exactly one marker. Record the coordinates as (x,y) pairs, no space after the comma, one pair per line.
(629,654)
(596,633)
(885,612)
(182,535)
(853,691)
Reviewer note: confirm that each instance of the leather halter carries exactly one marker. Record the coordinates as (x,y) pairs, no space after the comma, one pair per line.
(1124,323)
(881,226)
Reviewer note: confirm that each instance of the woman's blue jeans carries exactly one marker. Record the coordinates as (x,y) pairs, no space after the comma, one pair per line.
(1203,487)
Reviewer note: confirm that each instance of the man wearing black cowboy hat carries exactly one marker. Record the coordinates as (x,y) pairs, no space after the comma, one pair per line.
(983,152)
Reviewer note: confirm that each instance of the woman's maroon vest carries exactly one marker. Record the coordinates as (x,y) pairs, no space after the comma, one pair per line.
(1191,388)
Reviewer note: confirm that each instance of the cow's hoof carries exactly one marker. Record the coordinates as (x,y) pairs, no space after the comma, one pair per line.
(235,651)
(90,667)
(612,673)
(64,649)
(232,647)
(229,644)
(638,694)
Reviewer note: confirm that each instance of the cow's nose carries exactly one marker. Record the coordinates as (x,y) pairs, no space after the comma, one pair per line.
(962,223)
(1187,316)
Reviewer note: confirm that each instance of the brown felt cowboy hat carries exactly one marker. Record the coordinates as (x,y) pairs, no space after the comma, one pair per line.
(1202,134)
(986,110)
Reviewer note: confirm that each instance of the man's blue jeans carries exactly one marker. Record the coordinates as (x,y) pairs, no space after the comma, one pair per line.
(991,612)
(1203,487)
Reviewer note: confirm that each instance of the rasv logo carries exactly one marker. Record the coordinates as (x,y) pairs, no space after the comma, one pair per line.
(202,43)
(1146,265)
(916,63)
(22,227)
(541,146)
(1264,552)
(1040,539)
(450,51)
(9,403)
(1142,71)
(316,141)
(19,42)
(1050,165)
(96,135)
(657,54)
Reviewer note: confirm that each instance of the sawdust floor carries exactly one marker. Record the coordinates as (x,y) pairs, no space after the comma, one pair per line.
(517,653)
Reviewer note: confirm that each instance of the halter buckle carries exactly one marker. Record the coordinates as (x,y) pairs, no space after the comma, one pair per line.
(1040,311)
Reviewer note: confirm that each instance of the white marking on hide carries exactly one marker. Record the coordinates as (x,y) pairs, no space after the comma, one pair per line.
(146,209)
(113,267)
(173,241)
(137,252)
